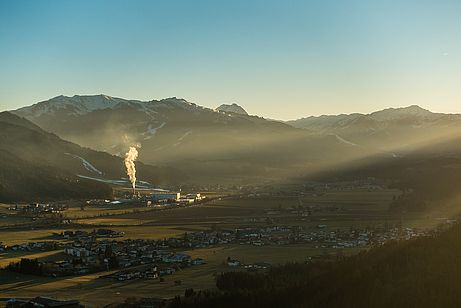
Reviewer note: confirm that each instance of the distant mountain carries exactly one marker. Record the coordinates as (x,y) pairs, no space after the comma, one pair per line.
(391,129)
(37,165)
(234,108)
(211,146)
(73,106)
(393,114)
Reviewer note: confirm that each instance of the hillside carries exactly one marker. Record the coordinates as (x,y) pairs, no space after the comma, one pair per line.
(393,129)
(40,165)
(429,175)
(425,149)
(209,145)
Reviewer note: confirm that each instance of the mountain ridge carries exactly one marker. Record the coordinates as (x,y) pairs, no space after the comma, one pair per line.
(82,104)
(210,144)
(389,128)
(403,110)
(222,146)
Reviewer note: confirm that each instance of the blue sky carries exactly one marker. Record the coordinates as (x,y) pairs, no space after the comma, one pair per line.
(278,59)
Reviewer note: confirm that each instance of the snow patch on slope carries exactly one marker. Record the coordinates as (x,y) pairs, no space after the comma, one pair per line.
(342,140)
(151,131)
(75,105)
(123,182)
(86,164)
(180,139)
(234,108)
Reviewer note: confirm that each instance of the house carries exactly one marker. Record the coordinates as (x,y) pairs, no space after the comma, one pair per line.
(151,273)
(166,271)
(45,302)
(185,200)
(108,233)
(77,252)
(195,197)
(262,265)
(198,261)
(165,196)
(176,258)
(233,263)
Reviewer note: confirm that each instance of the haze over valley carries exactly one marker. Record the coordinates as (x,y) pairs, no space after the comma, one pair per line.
(218,154)
(229,147)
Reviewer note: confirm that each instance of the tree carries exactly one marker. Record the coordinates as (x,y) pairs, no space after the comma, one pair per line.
(189,293)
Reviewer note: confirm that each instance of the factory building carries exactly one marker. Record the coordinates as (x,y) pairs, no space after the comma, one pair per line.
(164,196)
(191,198)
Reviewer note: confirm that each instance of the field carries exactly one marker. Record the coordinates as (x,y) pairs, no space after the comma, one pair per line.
(96,291)
(335,210)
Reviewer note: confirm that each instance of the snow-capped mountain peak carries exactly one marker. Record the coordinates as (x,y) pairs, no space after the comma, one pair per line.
(75,105)
(234,108)
(398,113)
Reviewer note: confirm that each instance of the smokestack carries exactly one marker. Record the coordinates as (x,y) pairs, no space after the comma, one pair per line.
(130,158)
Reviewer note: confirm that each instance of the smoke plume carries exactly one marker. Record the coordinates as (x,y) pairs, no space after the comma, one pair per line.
(130,158)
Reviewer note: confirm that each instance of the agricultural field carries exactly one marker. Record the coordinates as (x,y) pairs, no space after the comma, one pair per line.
(8,218)
(333,210)
(94,290)
(15,257)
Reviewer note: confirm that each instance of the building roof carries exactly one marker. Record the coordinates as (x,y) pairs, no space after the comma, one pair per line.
(51,302)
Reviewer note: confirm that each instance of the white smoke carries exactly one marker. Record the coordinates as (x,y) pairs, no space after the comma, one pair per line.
(130,158)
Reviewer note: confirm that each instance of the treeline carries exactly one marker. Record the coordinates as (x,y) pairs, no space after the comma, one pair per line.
(106,260)
(26,266)
(425,272)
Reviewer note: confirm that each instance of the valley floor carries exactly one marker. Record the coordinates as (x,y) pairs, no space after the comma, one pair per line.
(327,212)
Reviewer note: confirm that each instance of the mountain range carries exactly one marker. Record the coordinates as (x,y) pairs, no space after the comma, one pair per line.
(392,129)
(212,146)
(182,142)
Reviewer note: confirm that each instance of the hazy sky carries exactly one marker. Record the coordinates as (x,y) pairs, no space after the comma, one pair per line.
(279,59)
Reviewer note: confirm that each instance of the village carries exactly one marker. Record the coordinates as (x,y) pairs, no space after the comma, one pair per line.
(102,250)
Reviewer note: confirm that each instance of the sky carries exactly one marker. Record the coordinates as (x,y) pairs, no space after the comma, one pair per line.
(278,59)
